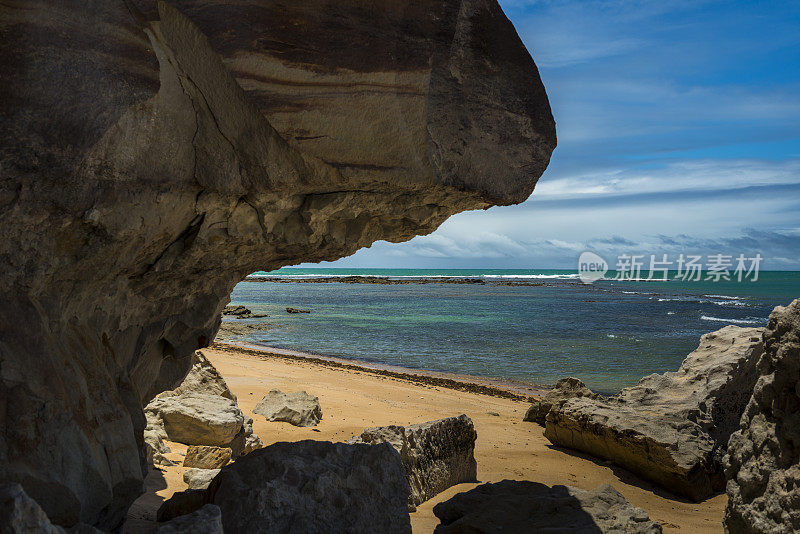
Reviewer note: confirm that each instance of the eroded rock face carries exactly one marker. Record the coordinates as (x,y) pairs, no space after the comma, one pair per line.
(671,429)
(314,486)
(298,408)
(435,455)
(198,419)
(521,506)
(207,457)
(154,155)
(763,460)
(199,479)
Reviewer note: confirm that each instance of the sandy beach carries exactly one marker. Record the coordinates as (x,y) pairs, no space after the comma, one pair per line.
(354,398)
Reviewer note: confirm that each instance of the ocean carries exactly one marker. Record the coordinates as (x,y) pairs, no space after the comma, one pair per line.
(608,334)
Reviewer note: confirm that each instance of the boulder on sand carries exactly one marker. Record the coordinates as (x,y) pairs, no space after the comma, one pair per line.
(314,486)
(565,389)
(514,506)
(198,418)
(435,455)
(671,429)
(207,457)
(299,408)
(199,479)
(763,460)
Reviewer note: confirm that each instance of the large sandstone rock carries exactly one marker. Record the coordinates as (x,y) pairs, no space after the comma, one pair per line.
(435,455)
(203,377)
(298,408)
(514,506)
(155,154)
(763,461)
(198,419)
(314,487)
(206,520)
(565,389)
(671,429)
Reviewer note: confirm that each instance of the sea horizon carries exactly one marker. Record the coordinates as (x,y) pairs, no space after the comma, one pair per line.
(528,325)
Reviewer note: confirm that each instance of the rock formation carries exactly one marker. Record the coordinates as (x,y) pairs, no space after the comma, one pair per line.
(436,455)
(565,389)
(202,377)
(154,154)
(19,514)
(206,457)
(671,429)
(314,486)
(298,409)
(199,479)
(521,506)
(763,461)
(198,419)
(206,520)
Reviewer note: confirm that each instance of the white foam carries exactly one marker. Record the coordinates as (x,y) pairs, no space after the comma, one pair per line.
(749,320)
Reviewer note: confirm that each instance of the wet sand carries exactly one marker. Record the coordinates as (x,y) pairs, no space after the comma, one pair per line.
(353,398)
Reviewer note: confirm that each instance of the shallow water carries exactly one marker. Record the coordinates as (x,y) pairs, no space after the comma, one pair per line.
(609,334)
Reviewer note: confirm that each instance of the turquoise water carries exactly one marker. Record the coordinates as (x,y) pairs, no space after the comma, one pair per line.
(609,334)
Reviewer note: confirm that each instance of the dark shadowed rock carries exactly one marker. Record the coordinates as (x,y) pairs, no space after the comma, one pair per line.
(514,506)
(297,310)
(298,408)
(206,520)
(565,389)
(436,455)
(151,160)
(314,487)
(671,429)
(19,514)
(763,460)
(185,502)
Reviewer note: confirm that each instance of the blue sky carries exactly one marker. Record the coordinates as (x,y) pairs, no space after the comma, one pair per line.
(679,131)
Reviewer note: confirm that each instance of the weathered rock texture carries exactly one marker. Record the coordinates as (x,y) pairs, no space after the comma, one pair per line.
(521,506)
(155,154)
(19,514)
(298,408)
(203,377)
(566,388)
(207,457)
(435,455)
(671,429)
(206,520)
(314,487)
(763,461)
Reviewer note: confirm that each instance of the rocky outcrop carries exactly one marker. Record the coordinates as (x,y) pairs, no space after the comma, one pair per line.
(314,486)
(763,460)
(206,457)
(565,389)
(155,153)
(671,429)
(435,455)
(155,448)
(240,312)
(199,479)
(521,506)
(298,409)
(206,520)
